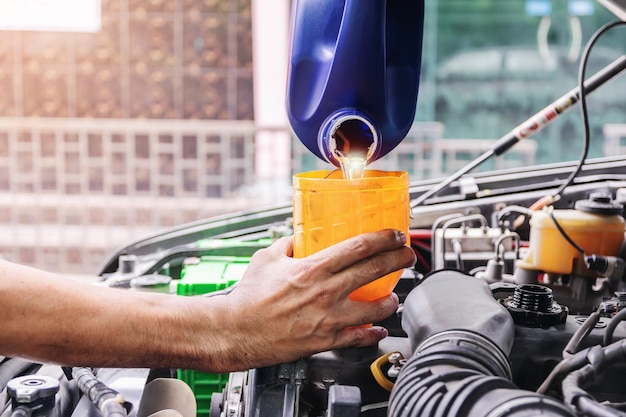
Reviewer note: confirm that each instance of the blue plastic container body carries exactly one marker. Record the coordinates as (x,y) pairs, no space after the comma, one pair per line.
(354,60)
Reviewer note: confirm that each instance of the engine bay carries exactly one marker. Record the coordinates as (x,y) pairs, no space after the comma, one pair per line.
(480,313)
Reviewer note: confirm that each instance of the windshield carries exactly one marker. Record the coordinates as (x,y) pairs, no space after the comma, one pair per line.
(143,115)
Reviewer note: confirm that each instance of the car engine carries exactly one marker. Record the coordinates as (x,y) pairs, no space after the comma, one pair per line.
(501,315)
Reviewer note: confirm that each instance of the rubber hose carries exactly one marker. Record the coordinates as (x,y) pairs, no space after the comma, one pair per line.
(463,374)
(100,394)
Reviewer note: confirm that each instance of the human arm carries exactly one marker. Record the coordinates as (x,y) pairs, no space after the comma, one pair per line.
(283,309)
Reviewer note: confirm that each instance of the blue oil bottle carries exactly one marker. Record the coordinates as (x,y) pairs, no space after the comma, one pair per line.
(353,75)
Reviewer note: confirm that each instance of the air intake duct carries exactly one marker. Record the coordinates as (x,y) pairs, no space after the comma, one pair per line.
(461,370)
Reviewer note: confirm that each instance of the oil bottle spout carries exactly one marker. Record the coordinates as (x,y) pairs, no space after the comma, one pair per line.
(348,135)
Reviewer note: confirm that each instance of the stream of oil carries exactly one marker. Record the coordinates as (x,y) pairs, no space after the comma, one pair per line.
(352,149)
(352,168)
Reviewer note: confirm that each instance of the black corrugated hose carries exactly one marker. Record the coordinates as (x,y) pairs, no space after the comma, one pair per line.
(463,374)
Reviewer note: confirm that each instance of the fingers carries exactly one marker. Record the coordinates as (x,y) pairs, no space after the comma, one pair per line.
(375,267)
(315,310)
(350,251)
(367,336)
(285,245)
(347,265)
(352,324)
(360,337)
(355,313)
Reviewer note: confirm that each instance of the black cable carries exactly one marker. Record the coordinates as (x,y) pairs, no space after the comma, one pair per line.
(583,103)
(590,407)
(582,333)
(610,328)
(566,366)
(598,360)
(524,213)
(564,234)
(560,369)
(586,131)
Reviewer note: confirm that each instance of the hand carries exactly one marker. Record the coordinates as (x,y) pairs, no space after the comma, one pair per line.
(285,308)
(282,310)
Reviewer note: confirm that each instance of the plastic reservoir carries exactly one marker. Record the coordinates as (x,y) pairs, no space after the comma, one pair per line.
(328,209)
(598,234)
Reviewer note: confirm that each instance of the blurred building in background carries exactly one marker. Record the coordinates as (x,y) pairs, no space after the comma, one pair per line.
(153,59)
(107,136)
